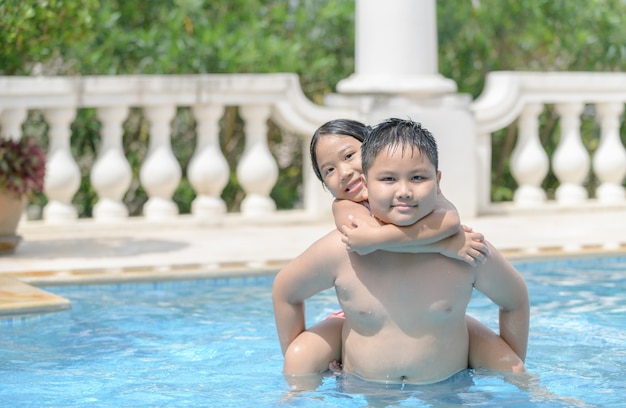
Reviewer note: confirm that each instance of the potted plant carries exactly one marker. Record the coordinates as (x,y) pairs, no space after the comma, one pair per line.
(22,171)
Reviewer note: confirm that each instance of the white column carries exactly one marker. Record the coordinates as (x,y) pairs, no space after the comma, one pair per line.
(208,170)
(62,173)
(609,161)
(160,173)
(396,49)
(483,171)
(571,160)
(257,170)
(11,122)
(317,200)
(529,161)
(111,174)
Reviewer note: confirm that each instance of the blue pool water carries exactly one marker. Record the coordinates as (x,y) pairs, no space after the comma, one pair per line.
(213,344)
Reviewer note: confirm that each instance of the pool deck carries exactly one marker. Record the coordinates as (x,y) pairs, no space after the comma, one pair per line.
(88,252)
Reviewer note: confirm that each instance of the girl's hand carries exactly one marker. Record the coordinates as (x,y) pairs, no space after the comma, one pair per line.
(467,246)
(359,236)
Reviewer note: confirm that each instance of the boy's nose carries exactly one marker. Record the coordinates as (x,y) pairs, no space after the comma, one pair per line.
(404,191)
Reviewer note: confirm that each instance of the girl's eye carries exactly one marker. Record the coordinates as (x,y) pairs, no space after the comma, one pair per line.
(328,170)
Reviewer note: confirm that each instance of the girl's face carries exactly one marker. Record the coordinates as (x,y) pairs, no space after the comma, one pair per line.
(339,161)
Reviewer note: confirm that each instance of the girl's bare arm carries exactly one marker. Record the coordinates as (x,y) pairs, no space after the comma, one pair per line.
(363,234)
(443,222)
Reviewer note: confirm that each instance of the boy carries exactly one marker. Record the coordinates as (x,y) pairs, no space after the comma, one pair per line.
(404,313)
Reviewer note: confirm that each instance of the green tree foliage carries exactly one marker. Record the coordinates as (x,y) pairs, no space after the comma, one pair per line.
(33,31)
(476,37)
(312,38)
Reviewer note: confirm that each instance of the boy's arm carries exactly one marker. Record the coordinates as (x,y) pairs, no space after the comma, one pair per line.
(311,272)
(363,234)
(505,286)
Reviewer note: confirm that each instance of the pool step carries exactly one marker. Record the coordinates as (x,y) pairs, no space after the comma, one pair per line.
(19,298)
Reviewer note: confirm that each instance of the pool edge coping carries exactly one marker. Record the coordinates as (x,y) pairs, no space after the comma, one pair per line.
(19,287)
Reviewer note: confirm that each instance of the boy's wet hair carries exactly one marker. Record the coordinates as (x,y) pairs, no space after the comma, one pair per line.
(343,127)
(398,133)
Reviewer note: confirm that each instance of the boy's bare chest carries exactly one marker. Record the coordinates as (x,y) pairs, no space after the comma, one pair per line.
(406,289)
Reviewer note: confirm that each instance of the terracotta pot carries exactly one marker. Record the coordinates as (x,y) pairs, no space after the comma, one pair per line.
(10,213)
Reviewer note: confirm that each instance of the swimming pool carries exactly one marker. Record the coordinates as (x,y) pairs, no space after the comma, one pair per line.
(213,344)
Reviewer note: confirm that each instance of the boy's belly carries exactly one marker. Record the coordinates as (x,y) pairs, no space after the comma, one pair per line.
(398,358)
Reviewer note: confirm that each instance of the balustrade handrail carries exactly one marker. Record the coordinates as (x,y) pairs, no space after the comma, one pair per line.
(507,92)
(293,109)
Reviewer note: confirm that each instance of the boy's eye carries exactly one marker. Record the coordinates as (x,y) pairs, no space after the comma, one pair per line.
(418,178)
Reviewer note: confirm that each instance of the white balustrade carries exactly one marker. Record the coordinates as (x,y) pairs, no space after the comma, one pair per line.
(208,170)
(609,160)
(111,175)
(508,96)
(529,161)
(11,122)
(570,161)
(62,173)
(257,171)
(160,173)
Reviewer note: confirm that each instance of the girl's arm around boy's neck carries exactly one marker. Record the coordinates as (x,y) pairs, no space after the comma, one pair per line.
(364,234)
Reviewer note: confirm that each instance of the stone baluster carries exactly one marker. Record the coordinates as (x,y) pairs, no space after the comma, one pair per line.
(529,161)
(160,173)
(62,173)
(571,160)
(11,126)
(257,171)
(609,160)
(208,170)
(111,174)
(11,122)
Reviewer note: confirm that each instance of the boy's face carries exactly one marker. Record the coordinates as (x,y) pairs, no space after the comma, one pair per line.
(339,161)
(402,186)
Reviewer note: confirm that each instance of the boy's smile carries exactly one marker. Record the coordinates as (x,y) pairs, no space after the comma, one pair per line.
(402,185)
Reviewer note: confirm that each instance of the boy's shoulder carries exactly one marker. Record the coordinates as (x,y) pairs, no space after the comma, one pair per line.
(331,241)
(328,252)
(331,245)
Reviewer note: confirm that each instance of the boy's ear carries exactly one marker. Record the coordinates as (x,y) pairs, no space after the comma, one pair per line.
(438,181)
